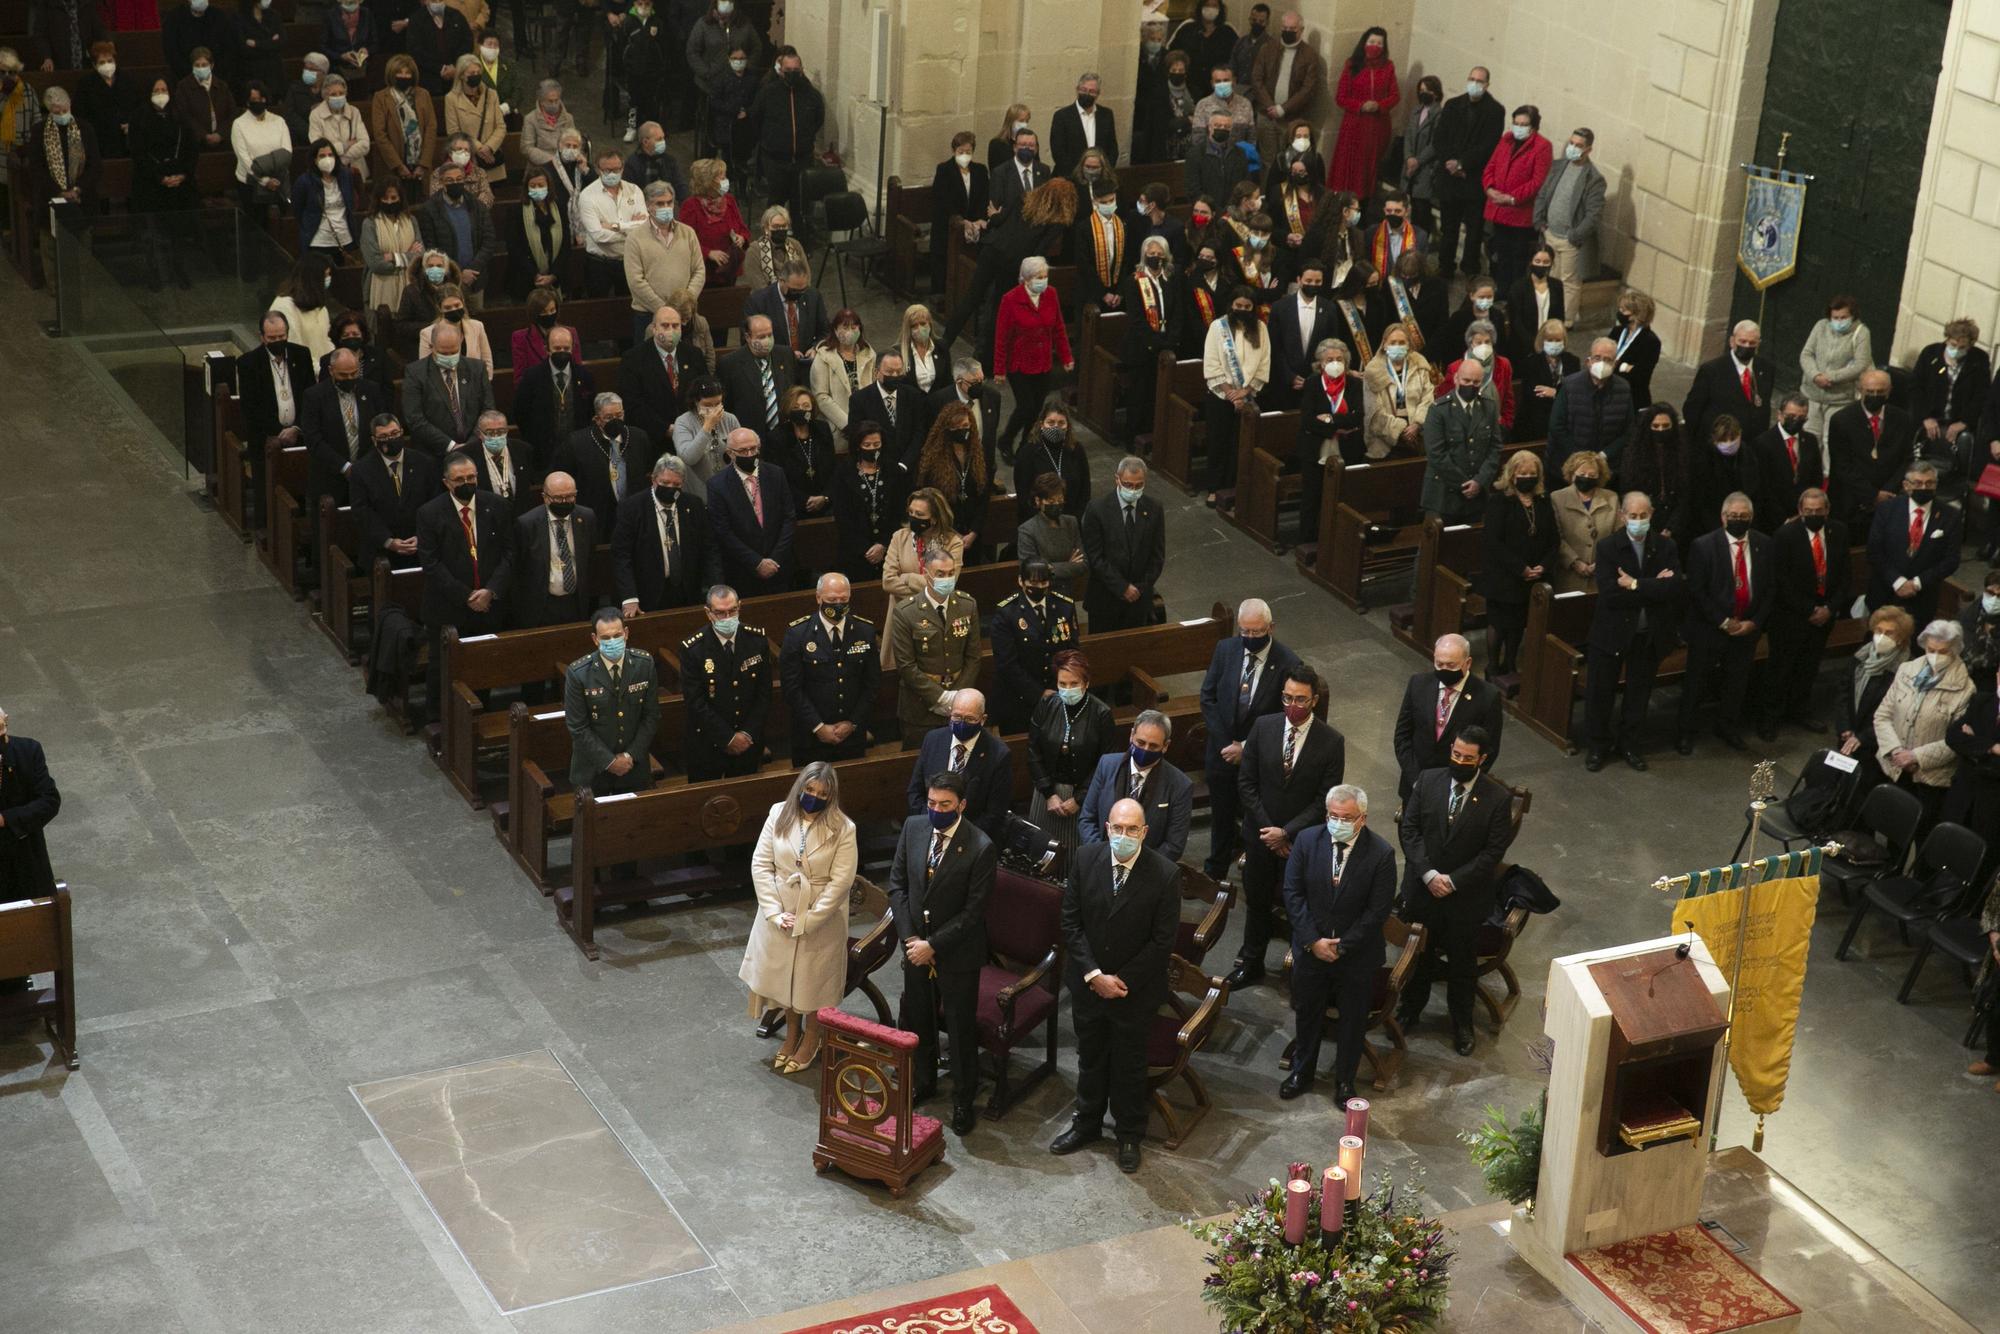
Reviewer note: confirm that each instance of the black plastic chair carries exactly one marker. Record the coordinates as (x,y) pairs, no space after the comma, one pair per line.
(1958,939)
(816,183)
(848,212)
(1778,823)
(1891,816)
(1943,877)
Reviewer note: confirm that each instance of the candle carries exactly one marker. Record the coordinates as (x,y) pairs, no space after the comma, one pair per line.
(1298,1204)
(1357,1117)
(1332,1202)
(1351,1150)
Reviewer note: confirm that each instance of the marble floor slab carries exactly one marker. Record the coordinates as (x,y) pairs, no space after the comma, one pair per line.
(537,1192)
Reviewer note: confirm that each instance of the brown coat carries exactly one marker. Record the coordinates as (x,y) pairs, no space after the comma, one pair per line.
(805,968)
(1581,531)
(385,133)
(483,124)
(1308,78)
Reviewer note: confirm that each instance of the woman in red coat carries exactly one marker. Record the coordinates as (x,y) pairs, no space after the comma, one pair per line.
(1367,92)
(1028,340)
(1513,177)
(718,224)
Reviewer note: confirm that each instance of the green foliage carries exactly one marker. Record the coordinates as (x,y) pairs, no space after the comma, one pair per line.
(1509,1156)
(1386,1274)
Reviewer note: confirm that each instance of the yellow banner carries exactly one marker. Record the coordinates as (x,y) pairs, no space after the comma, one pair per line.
(1774,975)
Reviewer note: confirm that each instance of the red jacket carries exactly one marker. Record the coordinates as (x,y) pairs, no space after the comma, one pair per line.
(1517,168)
(1027,338)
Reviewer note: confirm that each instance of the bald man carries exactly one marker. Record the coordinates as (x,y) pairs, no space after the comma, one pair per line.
(553,543)
(444,393)
(750,513)
(1438,705)
(1739,383)
(1120,914)
(552,401)
(966,747)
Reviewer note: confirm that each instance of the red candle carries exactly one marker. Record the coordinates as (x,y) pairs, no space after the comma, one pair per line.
(1351,1149)
(1357,1117)
(1299,1172)
(1298,1206)
(1332,1199)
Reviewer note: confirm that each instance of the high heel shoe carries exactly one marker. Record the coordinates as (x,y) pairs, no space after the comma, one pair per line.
(794,1066)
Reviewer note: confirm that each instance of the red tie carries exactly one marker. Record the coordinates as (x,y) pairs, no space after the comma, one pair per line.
(1444,712)
(792,322)
(471,542)
(756,496)
(1749,390)
(1916,528)
(1742,579)
(1819,561)
(1875,426)
(1792,448)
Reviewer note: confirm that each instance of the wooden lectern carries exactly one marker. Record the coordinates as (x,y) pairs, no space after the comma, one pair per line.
(1633,1094)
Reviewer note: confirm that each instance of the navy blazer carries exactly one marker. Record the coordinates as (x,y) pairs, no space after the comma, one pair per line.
(1890,557)
(732,519)
(1351,912)
(954,897)
(1711,580)
(1467,849)
(1219,689)
(309,201)
(989,777)
(1168,799)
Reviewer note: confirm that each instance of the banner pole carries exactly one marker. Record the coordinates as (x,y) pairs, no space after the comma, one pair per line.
(1763,784)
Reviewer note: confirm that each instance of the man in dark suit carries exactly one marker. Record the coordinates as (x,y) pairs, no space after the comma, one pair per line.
(465,543)
(1121,910)
(1154,220)
(271,385)
(1913,547)
(1011,182)
(387,486)
(1340,883)
(959,191)
(1246,674)
(1438,705)
(1731,588)
(750,515)
(1081,125)
(553,399)
(1456,827)
(726,686)
(830,667)
(1125,542)
(1638,596)
(553,543)
(29,799)
(1786,460)
(506,465)
(1737,383)
(1027,632)
(662,553)
(453,213)
(654,374)
(611,699)
(796,311)
(968,386)
(1144,774)
(895,405)
(756,380)
(1216,159)
(1299,323)
(1872,443)
(1469,128)
(1813,581)
(963,746)
(444,393)
(1289,762)
(333,420)
(939,883)
(610,458)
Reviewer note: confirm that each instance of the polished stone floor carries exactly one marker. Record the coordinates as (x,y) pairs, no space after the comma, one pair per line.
(280,898)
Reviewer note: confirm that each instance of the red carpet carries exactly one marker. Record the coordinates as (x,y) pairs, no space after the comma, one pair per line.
(1682,1282)
(975,1311)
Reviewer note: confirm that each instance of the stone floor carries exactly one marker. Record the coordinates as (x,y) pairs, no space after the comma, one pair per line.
(279,897)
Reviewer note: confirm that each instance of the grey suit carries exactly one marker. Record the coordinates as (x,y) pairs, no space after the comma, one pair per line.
(427,404)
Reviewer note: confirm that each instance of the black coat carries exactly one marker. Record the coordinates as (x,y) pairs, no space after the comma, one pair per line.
(450,571)
(1290,357)
(1718,390)
(1657,597)
(864,520)
(1167,794)
(1343,427)
(533,603)
(1128,935)
(1780,481)
(1711,581)
(161,146)
(1065,745)
(545,421)
(948,907)
(583,456)
(1070,462)
(988,774)
(1535,371)
(435,43)
(903,438)
(809,465)
(814,323)
(1521,315)
(1297,803)
(380,511)
(785,118)
(29,799)
(257,392)
(724,693)
(520,475)
(1863,466)
(1935,397)
(1419,746)
(745,543)
(1468,849)
(1117,560)
(638,559)
(653,398)
(1066,143)
(1510,543)
(1974,798)
(1004,189)
(323,428)
(1712,476)
(1891,560)
(743,389)
(1642,357)
(1222,687)
(1467,133)
(954,197)
(1141,344)
(1797,580)
(1214,174)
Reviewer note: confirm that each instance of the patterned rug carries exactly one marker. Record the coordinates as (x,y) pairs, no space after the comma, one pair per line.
(975,1311)
(1682,1282)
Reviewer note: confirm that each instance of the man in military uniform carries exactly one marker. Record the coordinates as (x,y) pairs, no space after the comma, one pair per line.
(935,638)
(612,698)
(1028,628)
(726,686)
(831,667)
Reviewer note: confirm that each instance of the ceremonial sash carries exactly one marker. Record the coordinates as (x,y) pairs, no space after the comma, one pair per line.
(1149,297)
(1406,313)
(1382,244)
(1357,327)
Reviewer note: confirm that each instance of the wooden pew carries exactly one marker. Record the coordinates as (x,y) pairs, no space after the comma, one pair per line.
(343,590)
(909,224)
(1445,602)
(286,537)
(1134,177)
(681,817)
(35,938)
(1177,398)
(232,484)
(1097,369)
(1265,448)
(398,586)
(1383,496)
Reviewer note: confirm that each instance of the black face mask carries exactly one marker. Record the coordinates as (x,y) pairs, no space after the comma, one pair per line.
(919,526)
(778,238)
(834,611)
(348,385)
(959,435)
(1255,643)
(667,495)
(1219,136)
(1053,513)
(257,109)
(1527,486)
(1586,484)
(1203,264)
(1736,527)
(391,448)
(869,455)
(1240,318)
(1035,592)
(1874,402)
(1662,433)
(1539,270)
(353,344)
(799,295)
(545,322)
(1463,773)
(1310,291)
(1794,425)
(1086,100)
(745,463)
(464,492)
(559,360)
(1156,262)
(614,429)
(562,509)
(1468,394)
(1289,38)
(1177,78)
(1054,435)
(1813,522)
(1449,677)
(799,416)
(1425,97)
(1923,495)
(1744,355)
(392,206)
(404,83)
(455,316)
(455,193)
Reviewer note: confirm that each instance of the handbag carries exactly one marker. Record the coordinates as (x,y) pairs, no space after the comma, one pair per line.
(1988,484)
(1861,850)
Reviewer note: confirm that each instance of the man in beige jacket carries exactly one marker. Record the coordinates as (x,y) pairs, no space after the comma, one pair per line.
(661,258)
(1286,78)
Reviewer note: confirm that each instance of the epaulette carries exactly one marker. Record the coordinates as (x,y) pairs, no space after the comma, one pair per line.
(1011,597)
(756,630)
(692,639)
(639,653)
(581,661)
(1062,597)
(862,619)
(802,620)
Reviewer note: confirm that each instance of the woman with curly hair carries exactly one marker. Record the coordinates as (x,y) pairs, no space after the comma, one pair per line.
(953,463)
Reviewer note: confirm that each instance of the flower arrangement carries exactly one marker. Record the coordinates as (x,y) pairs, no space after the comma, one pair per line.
(1509,1156)
(1384,1271)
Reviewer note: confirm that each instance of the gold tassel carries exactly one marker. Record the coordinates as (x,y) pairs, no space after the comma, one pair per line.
(1757,1140)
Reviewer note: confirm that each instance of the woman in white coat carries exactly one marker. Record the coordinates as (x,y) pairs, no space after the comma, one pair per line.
(803,871)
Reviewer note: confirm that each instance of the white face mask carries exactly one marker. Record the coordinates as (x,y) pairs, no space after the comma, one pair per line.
(1936,661)
(489,54)
(963,160)
(1335,369)
(1884,645)
(107,67)
(1302,145)
(460,157)
(1482,352)
(160,100)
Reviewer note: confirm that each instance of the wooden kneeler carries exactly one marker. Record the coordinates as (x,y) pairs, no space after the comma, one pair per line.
(866,1125)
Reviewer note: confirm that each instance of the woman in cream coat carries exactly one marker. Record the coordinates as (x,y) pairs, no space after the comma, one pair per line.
(1397,396)
(1929,693)
(803,872)
(903,563)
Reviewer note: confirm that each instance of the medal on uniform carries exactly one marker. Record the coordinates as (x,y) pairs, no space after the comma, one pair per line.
(708,664)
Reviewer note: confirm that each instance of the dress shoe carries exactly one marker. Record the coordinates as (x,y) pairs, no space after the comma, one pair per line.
(1461,1041)
(1244,975)
(773,1021)
(1128,1156)
(1295,1083)
(1076,1137)
(1731,738)
(1341,1093)
(1408,1014)
(964,1116)
(1684,743)
(1593,759)
(1635,759)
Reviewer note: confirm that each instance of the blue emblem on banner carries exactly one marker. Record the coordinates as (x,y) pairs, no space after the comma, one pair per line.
(1774,206)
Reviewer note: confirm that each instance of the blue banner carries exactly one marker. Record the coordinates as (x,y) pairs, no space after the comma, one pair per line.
(1774,205)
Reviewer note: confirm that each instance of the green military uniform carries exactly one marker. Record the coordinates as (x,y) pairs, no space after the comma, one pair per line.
(611,711)
(726,688)
(936,650)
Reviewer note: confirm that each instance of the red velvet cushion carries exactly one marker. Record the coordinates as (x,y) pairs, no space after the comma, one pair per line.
(1031,1007)
(1184,944)
(840,1021)
(1023,917)
(882,1136)
(1163,1046)
(1488,940)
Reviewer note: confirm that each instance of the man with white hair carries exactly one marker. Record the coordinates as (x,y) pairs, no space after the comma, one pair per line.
(1438,705)
(1737,383)
(750,512)
(830,667)
(1593,410)
(1340,883)
(662,552)
(1732,585)
(505,464)
(1125,541)
(1244,677)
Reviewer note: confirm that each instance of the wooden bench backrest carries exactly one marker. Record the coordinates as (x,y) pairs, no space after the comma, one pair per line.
(34,935)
